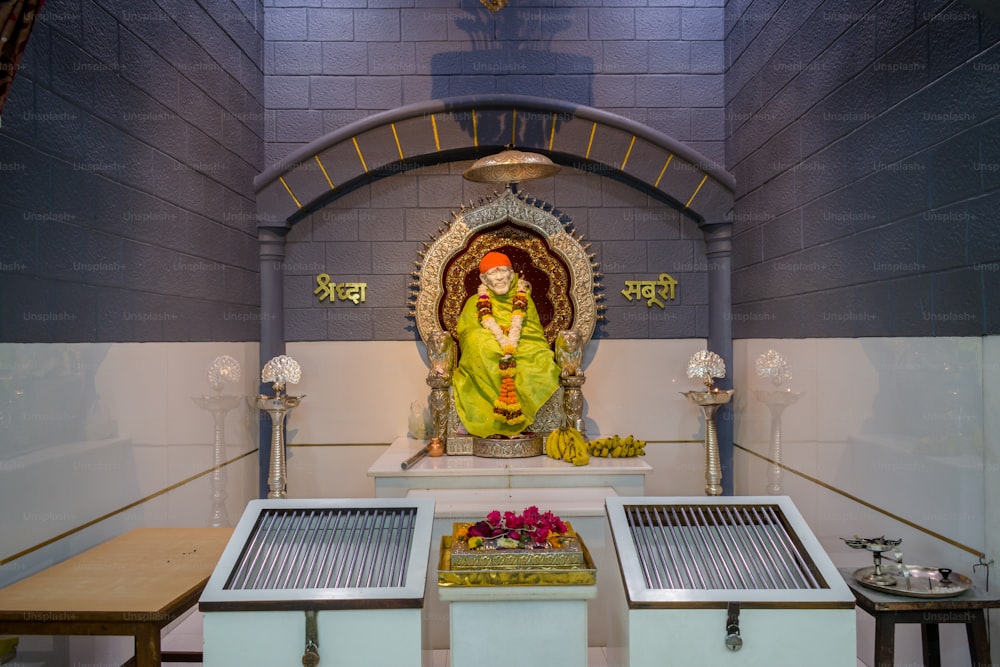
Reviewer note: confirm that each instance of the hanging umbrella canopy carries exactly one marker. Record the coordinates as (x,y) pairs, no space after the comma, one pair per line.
(511,166)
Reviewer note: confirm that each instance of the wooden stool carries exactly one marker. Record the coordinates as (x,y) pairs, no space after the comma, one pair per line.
(888,610)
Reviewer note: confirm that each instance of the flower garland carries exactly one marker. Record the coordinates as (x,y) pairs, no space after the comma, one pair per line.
(529,530)
(507,407)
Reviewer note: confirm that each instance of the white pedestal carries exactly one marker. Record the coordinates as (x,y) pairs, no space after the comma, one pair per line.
(529,626)
(465,488)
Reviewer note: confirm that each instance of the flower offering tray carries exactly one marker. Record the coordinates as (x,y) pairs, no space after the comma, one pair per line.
(582,574)
(916,582)
(569,554)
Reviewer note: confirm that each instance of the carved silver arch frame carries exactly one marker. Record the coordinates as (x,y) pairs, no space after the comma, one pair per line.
(513,208)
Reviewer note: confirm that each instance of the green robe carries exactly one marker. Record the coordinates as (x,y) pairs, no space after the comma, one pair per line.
(477,378)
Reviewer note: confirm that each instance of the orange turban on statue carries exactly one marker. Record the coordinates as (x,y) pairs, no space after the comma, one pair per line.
(493,260)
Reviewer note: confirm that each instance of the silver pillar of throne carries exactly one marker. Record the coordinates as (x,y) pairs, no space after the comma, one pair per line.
(549,417)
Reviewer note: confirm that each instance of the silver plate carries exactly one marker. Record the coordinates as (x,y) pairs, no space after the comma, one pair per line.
(922,582)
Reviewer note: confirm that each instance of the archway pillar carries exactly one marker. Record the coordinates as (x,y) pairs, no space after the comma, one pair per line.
(272,329)
(719,253)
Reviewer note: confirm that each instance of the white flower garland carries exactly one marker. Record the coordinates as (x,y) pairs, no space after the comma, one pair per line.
(513,336)
(507,406)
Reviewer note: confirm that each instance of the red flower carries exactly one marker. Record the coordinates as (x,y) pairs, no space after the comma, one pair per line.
(530,529)
(531,515)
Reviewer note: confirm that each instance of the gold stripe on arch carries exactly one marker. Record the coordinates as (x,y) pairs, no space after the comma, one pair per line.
(434,126)
(590,143)
(395,135)
(361,157)
(663,171)
(325,175)
(627,154)
(696,191)
(290,193)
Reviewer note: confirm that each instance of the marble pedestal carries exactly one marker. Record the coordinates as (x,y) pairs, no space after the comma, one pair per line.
(529,626)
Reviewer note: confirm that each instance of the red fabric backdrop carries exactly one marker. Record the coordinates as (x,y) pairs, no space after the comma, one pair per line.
(16,19)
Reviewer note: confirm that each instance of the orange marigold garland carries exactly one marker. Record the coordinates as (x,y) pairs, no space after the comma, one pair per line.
(507,406)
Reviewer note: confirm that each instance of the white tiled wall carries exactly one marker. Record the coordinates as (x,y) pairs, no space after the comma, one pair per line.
(890,437)
(87,430)
(887,436)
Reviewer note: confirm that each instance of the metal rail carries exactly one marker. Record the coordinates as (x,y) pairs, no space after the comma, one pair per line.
(701,547)
(326,548)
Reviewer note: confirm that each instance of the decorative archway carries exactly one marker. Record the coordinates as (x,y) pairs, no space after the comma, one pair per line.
(467,128)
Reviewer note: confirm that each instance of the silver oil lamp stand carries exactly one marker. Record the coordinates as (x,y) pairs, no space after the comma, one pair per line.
(219,406)
(279,371)
(776,402)
(707,366)
(710,401)
(774,366)
(223,369)
(277,407)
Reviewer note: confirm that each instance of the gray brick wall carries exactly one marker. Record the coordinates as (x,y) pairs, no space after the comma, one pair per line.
(661,65)
(375,234)
(329,64)
(127,152)
(863,136)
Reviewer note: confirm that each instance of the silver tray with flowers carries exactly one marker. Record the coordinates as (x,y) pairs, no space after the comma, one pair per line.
(506,540)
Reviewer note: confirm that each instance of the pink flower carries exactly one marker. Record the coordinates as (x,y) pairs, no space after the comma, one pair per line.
(530,529)
(531,515)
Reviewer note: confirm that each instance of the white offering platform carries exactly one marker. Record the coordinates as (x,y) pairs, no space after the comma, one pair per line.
(625,476)
(466,488)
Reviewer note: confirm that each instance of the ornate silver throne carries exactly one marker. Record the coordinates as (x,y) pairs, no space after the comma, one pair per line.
(565,290)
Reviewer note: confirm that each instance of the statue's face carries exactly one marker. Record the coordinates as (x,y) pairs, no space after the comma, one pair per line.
(498,279)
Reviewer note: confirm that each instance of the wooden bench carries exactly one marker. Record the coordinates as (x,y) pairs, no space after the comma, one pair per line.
(133,585)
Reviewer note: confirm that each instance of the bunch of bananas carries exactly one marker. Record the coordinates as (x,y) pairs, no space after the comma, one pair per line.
(617,447)
(567,444)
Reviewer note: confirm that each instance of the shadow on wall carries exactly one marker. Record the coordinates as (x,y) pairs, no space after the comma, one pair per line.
(508,53)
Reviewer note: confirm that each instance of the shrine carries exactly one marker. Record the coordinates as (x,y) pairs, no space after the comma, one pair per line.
(639,333)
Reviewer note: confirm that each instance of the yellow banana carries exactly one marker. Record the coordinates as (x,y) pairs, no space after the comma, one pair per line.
(552,444)
(617,447)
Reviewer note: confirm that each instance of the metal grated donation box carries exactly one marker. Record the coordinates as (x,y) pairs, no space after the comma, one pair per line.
(736,580)
(301,579)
